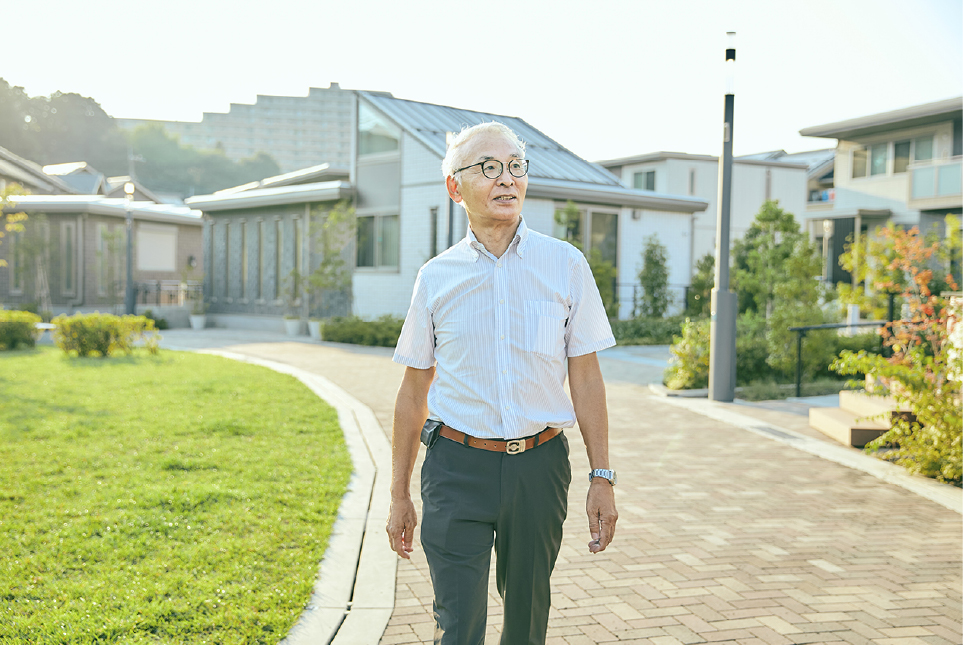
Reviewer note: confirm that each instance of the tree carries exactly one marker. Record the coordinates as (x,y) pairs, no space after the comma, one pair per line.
(654,278)
(169,166)
(699,296)
(12,222)
(59,128)
(796,298)
(759,258)
(332,232)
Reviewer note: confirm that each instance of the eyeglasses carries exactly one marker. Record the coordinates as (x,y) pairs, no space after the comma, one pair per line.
(493,168)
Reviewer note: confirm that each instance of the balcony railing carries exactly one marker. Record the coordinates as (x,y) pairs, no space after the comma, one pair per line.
(936,184)
(827,196)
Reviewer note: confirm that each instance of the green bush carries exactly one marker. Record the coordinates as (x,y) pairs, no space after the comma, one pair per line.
(689,366)
(647,331)
(18,328)
(382,332)
(102,335)
(159,323)
(752,350)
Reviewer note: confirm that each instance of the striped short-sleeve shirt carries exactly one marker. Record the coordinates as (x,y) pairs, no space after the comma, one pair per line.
(499,330)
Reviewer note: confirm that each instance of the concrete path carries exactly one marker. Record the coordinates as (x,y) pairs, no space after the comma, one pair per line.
(724,535)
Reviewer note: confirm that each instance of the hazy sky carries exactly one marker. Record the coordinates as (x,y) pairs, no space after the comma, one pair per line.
(605,78)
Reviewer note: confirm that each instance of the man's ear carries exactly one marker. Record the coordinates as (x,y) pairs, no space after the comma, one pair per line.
(453,190)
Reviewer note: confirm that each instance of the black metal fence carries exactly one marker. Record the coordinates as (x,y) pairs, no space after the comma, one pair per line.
(168,292)
(801,333)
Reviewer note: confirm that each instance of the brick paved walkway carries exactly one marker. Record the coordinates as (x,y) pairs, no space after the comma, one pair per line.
(723,536)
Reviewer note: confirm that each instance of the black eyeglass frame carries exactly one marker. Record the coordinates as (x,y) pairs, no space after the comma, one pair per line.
(500,171)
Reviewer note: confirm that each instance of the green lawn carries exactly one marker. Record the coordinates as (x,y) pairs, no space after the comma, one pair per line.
(178,498)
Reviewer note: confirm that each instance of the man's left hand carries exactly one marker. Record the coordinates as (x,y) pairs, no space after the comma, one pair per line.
(602,515)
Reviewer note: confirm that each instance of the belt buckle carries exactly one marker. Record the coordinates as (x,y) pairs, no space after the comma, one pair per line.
(515,446)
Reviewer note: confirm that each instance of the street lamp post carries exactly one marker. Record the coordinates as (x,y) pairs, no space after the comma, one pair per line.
(129,296)
(722,326)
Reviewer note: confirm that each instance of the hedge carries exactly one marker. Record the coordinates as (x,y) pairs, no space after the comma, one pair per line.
(18,329)
(103,335)
(383,332)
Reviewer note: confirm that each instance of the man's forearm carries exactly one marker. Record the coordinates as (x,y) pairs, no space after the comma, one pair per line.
(588,398)
(411,411)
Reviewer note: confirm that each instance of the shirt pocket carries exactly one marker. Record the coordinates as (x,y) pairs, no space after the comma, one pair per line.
(545,327)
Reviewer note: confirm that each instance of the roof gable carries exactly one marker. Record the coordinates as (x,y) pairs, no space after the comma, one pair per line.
(430,124)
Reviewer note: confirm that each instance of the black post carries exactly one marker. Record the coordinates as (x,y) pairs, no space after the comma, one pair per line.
(799,341)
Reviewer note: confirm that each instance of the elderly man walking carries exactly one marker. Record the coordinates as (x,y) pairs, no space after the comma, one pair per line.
(494,322)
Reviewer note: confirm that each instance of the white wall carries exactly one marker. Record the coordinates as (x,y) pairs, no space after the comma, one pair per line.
(674,232)
(422,187)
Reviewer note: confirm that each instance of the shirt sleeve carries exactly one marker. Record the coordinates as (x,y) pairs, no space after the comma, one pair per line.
(588,327)
(416,345)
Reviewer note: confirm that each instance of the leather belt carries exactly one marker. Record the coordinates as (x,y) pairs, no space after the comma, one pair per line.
(512,447)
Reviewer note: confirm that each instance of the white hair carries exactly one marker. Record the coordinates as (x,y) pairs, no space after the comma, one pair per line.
(458,148)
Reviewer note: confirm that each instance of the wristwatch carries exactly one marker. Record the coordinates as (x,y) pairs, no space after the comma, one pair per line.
(604,474)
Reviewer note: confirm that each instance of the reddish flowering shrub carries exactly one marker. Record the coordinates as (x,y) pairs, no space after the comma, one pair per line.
(923,374)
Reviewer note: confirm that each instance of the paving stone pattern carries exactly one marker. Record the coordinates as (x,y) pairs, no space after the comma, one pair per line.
(723,536)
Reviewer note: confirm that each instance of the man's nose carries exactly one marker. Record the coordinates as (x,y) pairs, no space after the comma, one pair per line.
(506,178)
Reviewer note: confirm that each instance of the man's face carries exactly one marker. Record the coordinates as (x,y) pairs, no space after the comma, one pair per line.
(490,201)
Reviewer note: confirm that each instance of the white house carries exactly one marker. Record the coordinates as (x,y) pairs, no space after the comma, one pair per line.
(755,179)
(903,166)
(405,216)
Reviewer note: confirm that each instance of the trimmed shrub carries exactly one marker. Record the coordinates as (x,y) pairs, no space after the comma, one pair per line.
(689,366)
(103,335)
(18,328)
(647,331)
(159,323)
(382,332)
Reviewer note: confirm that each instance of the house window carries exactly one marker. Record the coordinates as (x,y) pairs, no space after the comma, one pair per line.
(375,133)
(15,265)
(68,258)
(644,180)
(227,259)
(243,259)
(278,251)
(692,181)
(156,247)
(860,157)
(590,230)
(923,149)
(877,158)
(901,156)
(261,233)
(103,260)
(378,241)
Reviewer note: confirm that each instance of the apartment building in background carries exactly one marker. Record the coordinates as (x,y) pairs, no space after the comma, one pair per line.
(297,131)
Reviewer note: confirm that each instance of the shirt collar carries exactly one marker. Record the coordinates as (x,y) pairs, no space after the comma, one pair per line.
(518,242)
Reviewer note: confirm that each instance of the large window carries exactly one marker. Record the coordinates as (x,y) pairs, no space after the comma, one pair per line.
(375,132)
(378,241)
(873,160)
(261,246)
(644,180)
(590,230)
(68,258)
(15,264)
(156,247)
(243,259)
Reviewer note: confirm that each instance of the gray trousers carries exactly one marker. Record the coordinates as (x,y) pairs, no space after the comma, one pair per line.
(473,499)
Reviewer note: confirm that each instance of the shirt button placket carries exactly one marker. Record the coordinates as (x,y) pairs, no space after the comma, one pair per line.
(502,351)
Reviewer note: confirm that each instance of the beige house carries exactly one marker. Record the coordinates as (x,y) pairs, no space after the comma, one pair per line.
(904,166)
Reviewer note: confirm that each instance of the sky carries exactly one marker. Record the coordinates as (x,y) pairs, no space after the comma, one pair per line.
(606,78)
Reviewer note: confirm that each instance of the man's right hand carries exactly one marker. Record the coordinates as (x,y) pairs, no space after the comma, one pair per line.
(402,520)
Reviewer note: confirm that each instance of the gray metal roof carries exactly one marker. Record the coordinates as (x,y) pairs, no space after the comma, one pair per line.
(916,115)
(31,174)
(100,205)
(429,123)
(312,174)
(297,194)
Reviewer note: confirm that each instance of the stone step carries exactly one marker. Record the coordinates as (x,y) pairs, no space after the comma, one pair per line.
(845,427)
(863,404)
